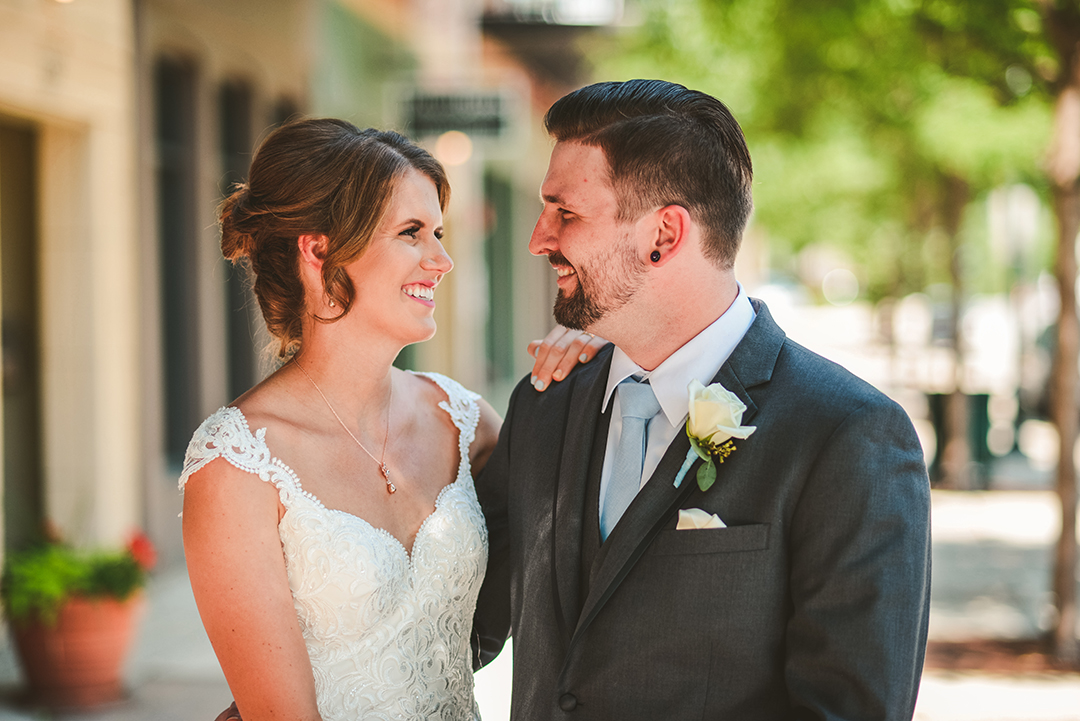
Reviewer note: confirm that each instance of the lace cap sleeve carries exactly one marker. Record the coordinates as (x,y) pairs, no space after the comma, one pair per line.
(463,408)
(226,435)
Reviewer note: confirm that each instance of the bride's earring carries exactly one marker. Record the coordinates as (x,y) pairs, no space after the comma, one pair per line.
(332,303)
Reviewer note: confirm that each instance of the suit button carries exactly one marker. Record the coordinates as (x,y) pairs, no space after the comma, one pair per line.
(568,702)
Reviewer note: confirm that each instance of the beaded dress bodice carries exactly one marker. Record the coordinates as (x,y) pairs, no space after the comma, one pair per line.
(387,632)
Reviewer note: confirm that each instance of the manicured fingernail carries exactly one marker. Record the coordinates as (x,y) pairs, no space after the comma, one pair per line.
(583,358)
(533,380)
(558,374)
(539,385)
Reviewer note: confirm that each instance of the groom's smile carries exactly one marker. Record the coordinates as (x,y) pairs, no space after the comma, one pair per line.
(563,269)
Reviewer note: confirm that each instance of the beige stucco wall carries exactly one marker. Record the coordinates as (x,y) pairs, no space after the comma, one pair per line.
(67,68)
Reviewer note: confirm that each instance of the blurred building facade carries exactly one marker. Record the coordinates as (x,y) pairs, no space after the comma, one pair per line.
(72,311)
(123,123)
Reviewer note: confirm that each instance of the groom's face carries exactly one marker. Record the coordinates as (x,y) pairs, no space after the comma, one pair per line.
(594,255)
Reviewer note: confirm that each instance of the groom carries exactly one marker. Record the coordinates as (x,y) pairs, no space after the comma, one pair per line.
(805,596)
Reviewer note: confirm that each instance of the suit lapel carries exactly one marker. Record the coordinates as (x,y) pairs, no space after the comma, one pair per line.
(586,398)
(636,528)
(750,364)
(727,378)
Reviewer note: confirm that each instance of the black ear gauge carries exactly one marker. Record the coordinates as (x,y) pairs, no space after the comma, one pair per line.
(655,256)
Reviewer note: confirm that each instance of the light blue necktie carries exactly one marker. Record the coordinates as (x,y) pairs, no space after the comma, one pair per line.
(638,405)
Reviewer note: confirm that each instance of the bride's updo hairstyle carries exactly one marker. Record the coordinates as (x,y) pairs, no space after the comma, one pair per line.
(315,177)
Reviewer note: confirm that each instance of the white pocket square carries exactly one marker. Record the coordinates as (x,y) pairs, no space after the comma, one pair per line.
(691,518)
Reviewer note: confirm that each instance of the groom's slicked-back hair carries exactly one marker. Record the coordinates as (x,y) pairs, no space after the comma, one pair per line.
(666,145)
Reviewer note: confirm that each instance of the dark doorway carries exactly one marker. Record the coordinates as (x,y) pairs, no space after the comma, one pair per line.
(174,125)
(235,122)
(23,495)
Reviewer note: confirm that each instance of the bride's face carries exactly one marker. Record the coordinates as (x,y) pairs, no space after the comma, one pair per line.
(396,277)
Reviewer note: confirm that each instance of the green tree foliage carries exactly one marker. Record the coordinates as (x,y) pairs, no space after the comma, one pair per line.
(853,121)
(1037,42)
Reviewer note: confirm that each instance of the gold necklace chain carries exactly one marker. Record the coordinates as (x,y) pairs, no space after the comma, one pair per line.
(390,487)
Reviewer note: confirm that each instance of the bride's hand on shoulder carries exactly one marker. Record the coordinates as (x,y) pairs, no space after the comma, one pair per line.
(559,352)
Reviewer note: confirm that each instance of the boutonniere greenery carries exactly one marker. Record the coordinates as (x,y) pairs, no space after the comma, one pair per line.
(715,419)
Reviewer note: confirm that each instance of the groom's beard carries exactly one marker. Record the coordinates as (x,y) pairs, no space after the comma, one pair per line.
(617,277)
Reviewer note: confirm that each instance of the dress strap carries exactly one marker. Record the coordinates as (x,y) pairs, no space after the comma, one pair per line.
(226,434)
(463,408)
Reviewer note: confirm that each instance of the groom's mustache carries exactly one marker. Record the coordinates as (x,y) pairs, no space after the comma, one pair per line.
(557,258)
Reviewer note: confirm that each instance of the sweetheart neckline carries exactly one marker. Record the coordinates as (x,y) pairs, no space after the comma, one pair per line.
(462,469)
(308,494)
(409,553)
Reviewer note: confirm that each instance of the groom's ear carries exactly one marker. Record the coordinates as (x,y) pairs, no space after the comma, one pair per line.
(673,227)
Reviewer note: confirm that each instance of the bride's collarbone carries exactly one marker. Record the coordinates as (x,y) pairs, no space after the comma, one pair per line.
(421,454)
(344,478)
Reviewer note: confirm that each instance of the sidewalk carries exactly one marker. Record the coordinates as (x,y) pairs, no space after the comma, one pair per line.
(992,560)
(993,554)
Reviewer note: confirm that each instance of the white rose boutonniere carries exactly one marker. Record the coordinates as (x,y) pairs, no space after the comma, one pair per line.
(715,419)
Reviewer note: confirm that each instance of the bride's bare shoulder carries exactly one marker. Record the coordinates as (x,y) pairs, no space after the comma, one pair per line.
(273,404)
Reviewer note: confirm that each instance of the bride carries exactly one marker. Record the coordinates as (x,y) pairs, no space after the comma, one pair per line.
(333,538)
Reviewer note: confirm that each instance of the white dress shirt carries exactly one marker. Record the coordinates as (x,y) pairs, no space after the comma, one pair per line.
(700,358)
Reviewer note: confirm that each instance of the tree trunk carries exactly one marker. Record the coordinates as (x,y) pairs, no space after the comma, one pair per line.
(1065,415)
(1064,169)
(1062,24)
(956,452)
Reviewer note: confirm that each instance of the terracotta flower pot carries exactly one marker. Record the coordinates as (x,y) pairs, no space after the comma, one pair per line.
(78,662)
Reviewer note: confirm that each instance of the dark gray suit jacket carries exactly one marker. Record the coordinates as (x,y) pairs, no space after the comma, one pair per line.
(812,604)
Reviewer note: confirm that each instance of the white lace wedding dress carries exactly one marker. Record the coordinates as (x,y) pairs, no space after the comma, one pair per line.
(387,633)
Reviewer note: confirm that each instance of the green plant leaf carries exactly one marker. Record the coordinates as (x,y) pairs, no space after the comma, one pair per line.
(38,581)
(706,475)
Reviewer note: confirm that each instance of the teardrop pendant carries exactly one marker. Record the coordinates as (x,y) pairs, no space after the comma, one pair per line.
(390,487)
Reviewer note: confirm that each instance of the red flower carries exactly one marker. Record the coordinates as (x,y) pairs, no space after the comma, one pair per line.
(142,550)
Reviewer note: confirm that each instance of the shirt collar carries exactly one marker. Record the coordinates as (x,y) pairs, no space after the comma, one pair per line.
(699,358)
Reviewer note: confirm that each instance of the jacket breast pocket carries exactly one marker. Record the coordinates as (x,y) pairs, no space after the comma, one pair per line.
(733,539)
